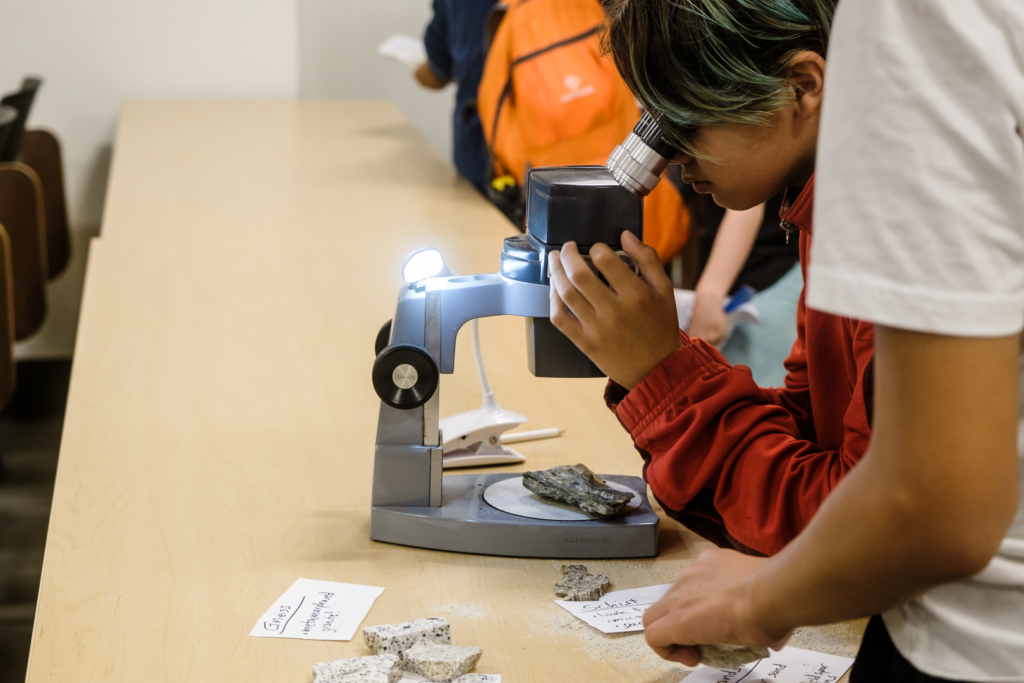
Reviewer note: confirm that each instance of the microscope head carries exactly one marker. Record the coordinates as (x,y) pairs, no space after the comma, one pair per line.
(585,205)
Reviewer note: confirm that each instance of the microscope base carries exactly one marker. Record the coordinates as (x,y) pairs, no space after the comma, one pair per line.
(465,523)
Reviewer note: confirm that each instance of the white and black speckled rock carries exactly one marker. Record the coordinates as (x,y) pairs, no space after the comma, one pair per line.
(440,662)
(374,669)
(729,656)
(478,678)
(395,639)
(579,584)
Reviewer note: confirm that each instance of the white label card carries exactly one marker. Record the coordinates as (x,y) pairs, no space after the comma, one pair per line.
(317,610)
(410,677)
(618,611)
(788,665)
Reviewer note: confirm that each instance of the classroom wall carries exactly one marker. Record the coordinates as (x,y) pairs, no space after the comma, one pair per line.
(338,41)
(94,55)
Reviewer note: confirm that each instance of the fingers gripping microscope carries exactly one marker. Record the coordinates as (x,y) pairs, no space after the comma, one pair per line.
(413,504)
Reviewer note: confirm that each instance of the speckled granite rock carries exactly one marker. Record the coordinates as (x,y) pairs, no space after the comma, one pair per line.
(397,638)
(440,662)
(578,584)
(577,485)
(478,678)
(374,669)
(729,656)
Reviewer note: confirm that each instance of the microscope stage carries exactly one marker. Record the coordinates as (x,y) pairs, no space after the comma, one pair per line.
(466,522)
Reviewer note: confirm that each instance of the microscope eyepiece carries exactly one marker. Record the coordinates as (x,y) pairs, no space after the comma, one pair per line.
(637,164)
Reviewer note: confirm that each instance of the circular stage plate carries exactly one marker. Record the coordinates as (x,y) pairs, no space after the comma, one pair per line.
(509,495)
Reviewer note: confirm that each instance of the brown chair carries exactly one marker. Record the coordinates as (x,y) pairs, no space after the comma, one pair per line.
(21,100)
(40,149)
(7,368)
(23,216)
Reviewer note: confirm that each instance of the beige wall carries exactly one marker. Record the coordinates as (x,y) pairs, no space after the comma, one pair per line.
(338,41)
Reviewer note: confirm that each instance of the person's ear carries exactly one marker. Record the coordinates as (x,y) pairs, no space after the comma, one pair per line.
(806,72)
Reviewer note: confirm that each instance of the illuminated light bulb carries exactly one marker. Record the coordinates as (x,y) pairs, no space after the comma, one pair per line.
(424,263)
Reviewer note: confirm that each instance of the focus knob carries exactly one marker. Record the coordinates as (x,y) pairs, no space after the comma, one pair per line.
(405,376)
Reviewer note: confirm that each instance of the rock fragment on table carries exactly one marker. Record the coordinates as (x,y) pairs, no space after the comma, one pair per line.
(478,678)
(397,638)
(577,485)
(729,656)
(578,584)
(440,662)
(373,669)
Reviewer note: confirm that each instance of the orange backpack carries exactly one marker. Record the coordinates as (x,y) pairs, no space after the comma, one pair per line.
(549,98)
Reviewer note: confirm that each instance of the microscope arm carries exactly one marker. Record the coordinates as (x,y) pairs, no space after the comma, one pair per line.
(480,296)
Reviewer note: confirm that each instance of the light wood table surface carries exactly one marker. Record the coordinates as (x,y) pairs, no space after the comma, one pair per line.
(219,435)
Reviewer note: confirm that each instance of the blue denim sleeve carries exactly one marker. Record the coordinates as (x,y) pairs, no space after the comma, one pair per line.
(436,41)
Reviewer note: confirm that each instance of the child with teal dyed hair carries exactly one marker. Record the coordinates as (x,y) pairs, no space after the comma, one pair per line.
(738,86)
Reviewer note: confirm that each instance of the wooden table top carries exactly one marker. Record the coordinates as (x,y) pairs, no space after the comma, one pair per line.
(219,434)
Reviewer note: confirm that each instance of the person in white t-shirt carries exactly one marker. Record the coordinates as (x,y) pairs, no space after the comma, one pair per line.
(919,228)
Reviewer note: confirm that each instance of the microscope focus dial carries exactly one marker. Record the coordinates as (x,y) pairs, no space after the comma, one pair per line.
(405,376)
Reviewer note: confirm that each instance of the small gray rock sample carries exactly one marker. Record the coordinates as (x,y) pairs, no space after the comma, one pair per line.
(375,669)
(729,656)
(440,662)
(478,678)
(397,638)
(577,485)
(580,585)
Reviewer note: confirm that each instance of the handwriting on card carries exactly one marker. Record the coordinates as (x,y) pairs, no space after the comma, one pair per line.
(619,611)
(317,610)
(788,665)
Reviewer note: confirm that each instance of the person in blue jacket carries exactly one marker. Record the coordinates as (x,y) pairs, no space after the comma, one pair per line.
(454,40)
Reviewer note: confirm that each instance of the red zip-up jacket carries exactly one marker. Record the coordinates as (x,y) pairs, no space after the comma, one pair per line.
(745,466)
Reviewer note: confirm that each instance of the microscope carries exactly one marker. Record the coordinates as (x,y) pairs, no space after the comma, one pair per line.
(493,514)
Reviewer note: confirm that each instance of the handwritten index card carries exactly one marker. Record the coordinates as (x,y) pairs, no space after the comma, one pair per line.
(411,677)
(317,610)
(788,665)
(618,611)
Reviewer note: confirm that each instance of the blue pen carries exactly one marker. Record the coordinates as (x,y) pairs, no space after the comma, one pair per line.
(739,298)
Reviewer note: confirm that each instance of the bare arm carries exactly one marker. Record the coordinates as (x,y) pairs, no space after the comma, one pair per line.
(929,504)
(733,242)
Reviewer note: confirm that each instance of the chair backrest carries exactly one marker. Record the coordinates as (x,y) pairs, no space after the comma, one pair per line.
(41,151)
(7,367)
(22,214)
(22,101)
(7,117)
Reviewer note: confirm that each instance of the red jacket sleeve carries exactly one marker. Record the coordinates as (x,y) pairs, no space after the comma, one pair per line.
(719,450)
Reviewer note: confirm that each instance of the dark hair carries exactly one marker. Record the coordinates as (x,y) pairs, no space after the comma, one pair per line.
(712,62)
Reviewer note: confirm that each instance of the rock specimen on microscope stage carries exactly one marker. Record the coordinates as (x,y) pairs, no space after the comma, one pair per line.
(577,485)
(375,669)
(395,639)
(578,584)
(440,662)
(729,656)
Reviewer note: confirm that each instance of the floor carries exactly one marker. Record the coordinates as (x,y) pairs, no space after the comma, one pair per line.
(30,429)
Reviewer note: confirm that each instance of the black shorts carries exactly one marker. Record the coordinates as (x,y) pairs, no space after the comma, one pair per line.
(878,660)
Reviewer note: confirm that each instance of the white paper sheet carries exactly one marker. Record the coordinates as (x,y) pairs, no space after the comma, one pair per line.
(405,49)
(410,677)
(788,665)
(317,610)
(618,611)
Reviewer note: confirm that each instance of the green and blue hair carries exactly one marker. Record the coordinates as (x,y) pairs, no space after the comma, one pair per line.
(695,63)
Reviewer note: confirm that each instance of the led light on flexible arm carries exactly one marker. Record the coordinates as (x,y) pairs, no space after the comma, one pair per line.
(473,438)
